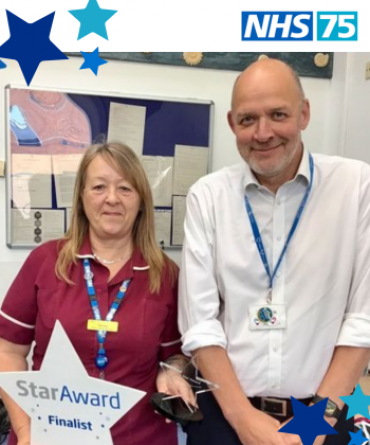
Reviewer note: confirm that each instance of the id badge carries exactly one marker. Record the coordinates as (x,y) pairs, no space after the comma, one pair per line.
(269,316)
(101,325)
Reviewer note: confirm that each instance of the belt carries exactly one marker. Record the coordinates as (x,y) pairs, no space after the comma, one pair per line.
(275,406)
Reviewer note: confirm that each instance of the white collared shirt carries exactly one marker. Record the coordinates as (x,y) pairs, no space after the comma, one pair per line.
(324,278)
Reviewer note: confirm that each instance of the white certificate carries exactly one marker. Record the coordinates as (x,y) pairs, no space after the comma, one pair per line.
(162,221)
(178,211)
(190,165)
(159,171)
(31,181)
(40,226)
(68,218)
(127,125)
(65,171)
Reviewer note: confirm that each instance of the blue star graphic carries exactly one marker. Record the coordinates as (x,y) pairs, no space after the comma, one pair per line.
(357,403)
(308,422)
(92,61)
(2,65)
(29,44)
(92,19)
(358,438)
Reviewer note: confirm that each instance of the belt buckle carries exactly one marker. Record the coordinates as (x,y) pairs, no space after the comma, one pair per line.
(283,404)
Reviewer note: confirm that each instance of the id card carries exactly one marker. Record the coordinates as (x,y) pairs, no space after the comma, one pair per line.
(269,316)
(101,325)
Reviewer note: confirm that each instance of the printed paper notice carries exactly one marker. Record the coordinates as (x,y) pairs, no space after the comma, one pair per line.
(178,210)
(127,125)
(68,218)
(65,170)
(190,165)
(31,181)
(40,226)
(162,221)
(159,171)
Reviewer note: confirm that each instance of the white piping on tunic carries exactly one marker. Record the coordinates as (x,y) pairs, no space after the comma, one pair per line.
(13,320)
(171,343)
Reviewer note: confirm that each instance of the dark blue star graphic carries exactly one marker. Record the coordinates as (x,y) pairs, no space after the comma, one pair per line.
(357,403)
(92,61)
(2,65)
(29,44)
(92,19)
(308,422)
(358,438)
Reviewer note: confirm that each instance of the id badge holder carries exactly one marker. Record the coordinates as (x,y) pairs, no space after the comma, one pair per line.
(269,316)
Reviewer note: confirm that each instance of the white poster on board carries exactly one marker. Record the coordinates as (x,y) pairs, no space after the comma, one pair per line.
(190,165)
(127,125)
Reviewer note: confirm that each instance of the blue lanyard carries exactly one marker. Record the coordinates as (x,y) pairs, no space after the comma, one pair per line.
(257,235)
(101,359)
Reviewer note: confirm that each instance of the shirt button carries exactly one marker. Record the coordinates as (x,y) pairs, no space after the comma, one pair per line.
(278,238)
(278,274)
(274,386)
(278,202)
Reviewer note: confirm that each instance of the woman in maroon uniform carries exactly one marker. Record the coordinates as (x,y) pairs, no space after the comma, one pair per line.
(110,244)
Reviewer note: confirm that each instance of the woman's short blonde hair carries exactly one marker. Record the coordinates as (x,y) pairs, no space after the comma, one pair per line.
(124,160)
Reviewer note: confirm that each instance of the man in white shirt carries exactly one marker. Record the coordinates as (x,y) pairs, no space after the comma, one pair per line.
(275,278)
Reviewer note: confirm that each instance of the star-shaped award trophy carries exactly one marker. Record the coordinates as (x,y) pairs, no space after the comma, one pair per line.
(65,404)
(175,407)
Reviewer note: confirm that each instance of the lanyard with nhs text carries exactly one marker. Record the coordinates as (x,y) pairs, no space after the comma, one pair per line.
(258,238)
(101,360)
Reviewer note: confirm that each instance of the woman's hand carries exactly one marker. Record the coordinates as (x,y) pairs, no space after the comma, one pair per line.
(23,435)
(171,382)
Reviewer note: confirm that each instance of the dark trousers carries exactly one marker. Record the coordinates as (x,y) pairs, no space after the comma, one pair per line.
(215,430)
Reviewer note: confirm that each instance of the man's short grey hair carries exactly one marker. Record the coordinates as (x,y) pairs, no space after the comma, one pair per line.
(298,82)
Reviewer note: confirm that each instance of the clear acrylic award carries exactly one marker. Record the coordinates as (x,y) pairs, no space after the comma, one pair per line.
(175,407)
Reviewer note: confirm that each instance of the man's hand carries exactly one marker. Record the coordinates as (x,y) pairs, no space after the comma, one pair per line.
(292,440)
(319,440)
(258,428)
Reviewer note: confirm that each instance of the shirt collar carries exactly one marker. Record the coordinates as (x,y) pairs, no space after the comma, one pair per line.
(303,172)
(137,262)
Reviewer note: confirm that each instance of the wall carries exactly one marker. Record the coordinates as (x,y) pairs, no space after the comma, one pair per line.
(357,137)
(327,100)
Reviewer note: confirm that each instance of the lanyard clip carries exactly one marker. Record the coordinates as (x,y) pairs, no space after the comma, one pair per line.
(269,296)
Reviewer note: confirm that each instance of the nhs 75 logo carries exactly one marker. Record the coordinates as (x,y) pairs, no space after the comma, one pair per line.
(337,25)
(294,26)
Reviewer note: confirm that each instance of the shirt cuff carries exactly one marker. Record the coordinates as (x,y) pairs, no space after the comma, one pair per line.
(355,331)
(206,333)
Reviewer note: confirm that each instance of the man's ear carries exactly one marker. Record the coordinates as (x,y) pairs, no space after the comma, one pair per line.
(305,114)
(230,120)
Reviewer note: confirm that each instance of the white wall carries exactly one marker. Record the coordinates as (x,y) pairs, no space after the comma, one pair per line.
(327,103)
(357,137)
